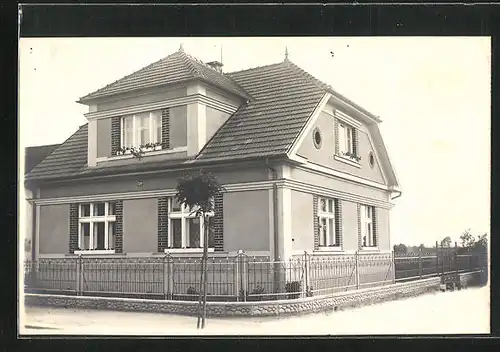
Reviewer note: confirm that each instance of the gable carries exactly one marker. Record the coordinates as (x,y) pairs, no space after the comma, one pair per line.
(324,153)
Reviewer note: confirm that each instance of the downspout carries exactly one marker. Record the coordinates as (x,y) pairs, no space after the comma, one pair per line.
(275,210)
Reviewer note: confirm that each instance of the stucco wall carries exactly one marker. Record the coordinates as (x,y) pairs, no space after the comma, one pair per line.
(246,221)
(349,226)
(140,225)
(103,137)
(215,119)
(146,97)
(337,184)
(54,229)
(325,155)
(384,233)
(178,126)
(156,182)
(223,97)
(302,222)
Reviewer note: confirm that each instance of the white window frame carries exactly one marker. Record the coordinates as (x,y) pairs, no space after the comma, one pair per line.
(135,125)
(184,214)
(91,220)
(329,242)
(346,140)
(365,221)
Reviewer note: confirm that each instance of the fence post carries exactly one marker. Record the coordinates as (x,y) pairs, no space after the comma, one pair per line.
(77,275)
(420,263)
(442,261)
(356,268)
(166,277)
(244,278)
(306,276)
(237,276)
(437,259)
(393,254)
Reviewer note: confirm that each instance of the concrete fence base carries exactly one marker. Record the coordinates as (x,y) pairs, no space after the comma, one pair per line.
(245,309)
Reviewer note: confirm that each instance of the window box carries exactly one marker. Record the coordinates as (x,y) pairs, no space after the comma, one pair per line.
(347,160)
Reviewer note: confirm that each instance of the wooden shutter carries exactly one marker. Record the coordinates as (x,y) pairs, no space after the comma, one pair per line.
(116,134)
(315,222)
(162,224)
(73,227)
(338,222)
(165,129)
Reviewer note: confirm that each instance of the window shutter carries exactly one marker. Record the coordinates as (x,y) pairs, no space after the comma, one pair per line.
(73,227)
(355,146)
(218,223)
(165,129)
(341,139)
(336,135)
(375,226)
(315,222)
(119,226)
(162,224)
(338,222)
(116,134)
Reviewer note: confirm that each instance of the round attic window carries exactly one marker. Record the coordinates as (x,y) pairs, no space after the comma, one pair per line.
(317,138)
(371,159)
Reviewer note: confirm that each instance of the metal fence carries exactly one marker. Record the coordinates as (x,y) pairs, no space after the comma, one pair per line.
(239,278)
(411,266)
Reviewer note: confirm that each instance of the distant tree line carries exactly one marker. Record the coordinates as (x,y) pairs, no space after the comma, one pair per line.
(468,242)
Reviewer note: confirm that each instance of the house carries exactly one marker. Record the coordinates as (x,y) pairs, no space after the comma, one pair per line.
(32,157)
(305,169)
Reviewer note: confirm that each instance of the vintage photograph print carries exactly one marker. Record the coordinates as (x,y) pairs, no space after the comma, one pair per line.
(254,186)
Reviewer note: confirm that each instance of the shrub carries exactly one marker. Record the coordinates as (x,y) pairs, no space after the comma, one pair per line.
(293,287)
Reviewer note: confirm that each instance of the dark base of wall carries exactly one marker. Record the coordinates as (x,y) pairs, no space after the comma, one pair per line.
(337,301)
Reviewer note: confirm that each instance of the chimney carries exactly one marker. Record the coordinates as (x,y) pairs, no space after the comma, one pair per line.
(216,65)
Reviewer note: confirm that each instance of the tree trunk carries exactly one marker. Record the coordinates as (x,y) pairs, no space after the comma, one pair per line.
(205,258)
(200,295)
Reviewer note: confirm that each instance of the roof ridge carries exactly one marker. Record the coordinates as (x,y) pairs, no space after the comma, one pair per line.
(320,84)
(188,61)
(254,68)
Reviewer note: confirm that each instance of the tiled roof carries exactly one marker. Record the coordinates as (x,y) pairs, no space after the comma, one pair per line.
(66,159)
(284,99)
(175,68)
(34,155)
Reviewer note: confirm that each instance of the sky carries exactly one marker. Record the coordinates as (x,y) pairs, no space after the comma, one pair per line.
(432,94)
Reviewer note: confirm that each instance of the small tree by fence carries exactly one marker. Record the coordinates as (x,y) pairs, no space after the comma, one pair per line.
(197,192)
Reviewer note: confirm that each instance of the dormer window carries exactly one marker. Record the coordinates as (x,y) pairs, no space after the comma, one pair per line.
(141,129)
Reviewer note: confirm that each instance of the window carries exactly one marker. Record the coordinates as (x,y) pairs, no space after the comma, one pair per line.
(140,129)
(329,232)
(317,138)
(371,160)
(185,228)
(96,226)
(368,234)
(346,139)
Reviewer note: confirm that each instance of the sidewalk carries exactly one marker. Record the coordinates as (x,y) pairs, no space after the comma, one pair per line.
(465,311)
